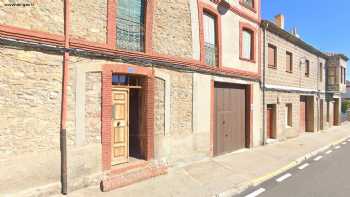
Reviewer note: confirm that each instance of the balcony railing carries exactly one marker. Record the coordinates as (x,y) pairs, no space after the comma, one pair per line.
(210,54)
(130,35)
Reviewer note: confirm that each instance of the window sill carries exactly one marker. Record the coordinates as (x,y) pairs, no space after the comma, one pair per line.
(272,67)
(253,9)
(247,60)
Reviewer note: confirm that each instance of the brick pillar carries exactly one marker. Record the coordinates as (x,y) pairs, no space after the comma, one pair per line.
(106,118)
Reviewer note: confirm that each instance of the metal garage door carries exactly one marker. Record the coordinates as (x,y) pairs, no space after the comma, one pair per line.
(230,114)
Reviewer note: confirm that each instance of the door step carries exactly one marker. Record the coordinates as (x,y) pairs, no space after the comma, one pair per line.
(131,173)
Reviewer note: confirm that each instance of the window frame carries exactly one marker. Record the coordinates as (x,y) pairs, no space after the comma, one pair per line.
(275,56)
(202,7)
(307,68)
(290,62)
(144,27)
(253,31)
(111,25)
(205,12)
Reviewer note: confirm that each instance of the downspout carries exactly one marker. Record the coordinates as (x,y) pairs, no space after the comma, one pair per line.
(265,26)
(318,94)
(63,133)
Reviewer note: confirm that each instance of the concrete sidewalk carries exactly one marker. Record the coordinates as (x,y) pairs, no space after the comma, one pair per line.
(229,174)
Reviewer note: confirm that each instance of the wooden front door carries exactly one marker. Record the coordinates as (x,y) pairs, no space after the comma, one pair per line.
(120,125)
(302,114)
(230,110)
(270,121)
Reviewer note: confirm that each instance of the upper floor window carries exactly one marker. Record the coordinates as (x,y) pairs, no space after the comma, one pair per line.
(343,75)
(272,54)
(210,38)
(289,62)
(130,24)
(247,44)
(248,3)
(307,68)
(321,72)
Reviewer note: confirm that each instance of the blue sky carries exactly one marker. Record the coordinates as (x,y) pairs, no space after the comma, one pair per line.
(325,24)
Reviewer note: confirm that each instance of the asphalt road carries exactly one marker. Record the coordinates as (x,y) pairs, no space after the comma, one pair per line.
(324,175)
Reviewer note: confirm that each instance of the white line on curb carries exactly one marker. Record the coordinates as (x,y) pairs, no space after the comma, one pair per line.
(318,158)
(303,166)
(337,147)
(256,192)
(329,152)
(284,177)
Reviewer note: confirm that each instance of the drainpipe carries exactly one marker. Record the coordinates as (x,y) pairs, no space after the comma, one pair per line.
(318,94)
(265,26)
(63,135)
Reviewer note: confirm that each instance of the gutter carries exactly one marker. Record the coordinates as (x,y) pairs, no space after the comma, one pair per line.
(264,27)
(63,131)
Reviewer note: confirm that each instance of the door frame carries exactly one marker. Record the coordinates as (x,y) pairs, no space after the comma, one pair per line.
(106,108)
(248,113)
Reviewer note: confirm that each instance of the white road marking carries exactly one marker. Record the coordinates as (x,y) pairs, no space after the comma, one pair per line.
(337,147)
(343,143)
(329,152)
(348,140)
(303,166)
(256,192)
(284,177)
(318,158)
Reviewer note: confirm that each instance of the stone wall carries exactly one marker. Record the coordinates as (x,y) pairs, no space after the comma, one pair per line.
(30,101)
(177,145)
(42,15)
(297,78)
(89,20)
(93,107)
(30,109)
(172,31)
(282,132)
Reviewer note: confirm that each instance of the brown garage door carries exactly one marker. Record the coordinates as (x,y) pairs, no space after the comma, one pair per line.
(230,113)
(302,114)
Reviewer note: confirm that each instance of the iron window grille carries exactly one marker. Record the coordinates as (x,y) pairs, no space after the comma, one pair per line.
(130,25)
(210,54)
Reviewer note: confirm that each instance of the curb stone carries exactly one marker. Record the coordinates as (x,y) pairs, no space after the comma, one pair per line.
(240,188)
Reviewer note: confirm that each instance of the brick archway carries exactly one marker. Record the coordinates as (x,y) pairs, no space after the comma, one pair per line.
(148,111)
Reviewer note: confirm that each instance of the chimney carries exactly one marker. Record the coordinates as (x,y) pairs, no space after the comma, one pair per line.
(279,21)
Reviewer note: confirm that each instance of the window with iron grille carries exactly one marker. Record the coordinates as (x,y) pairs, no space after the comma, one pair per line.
(130,25)
(210,47)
